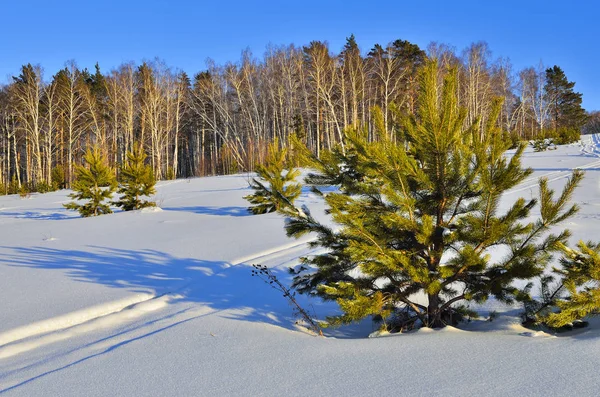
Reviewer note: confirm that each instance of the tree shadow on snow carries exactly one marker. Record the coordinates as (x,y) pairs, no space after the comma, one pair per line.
(38,215)
(217,211)
(592,331)
(233,189)
(218,285)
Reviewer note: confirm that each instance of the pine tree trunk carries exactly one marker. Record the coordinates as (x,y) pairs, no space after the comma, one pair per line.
(434,316)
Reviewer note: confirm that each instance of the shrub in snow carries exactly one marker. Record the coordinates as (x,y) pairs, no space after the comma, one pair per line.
(543,144)
(137,181)
(24,191)
(571,293)
(566,135)
(58,178)
(417,210)
(275,189)
(94,183)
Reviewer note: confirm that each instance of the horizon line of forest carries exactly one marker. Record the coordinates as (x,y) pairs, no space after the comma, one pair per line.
(221,120)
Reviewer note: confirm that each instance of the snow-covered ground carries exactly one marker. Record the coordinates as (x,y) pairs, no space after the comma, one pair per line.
(161,302)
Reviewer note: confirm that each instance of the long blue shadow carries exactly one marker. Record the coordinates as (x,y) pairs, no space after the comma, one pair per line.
(215,284)
(216,211)
(38,215)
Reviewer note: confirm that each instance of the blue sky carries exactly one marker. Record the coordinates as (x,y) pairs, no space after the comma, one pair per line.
(186,33)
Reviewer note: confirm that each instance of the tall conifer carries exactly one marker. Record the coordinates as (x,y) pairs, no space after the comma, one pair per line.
(565,104)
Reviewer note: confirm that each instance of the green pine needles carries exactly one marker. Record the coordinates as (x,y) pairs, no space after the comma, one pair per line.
(137,181)
(275,189)
(94,183)
(418,216)
(571,292)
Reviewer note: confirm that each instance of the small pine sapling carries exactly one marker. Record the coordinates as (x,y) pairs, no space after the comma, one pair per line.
(542,144)
(58,178)
(95,183)
(275,188)
(137,181)
(24,191)
(571,293)
(14,186)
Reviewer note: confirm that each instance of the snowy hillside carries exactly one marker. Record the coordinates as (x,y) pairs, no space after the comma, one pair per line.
(161,302)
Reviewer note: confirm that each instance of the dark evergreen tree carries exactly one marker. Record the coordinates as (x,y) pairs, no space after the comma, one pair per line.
(137,181)
(564,103)
(377,50)
(420,217)
(27,75)
(409,54)
(97,83)
(350,48)
(95,183)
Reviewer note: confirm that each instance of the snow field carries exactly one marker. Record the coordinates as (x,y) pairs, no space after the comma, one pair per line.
(162,303)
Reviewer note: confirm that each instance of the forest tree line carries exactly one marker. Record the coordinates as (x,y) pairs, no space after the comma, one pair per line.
(222,119)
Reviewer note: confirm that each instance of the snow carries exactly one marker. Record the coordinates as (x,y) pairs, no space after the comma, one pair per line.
(161,302)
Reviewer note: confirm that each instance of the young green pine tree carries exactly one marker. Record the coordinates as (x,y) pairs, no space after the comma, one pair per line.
(137,181)
(95,183)
(275,189)
(572,292)
(418,220)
